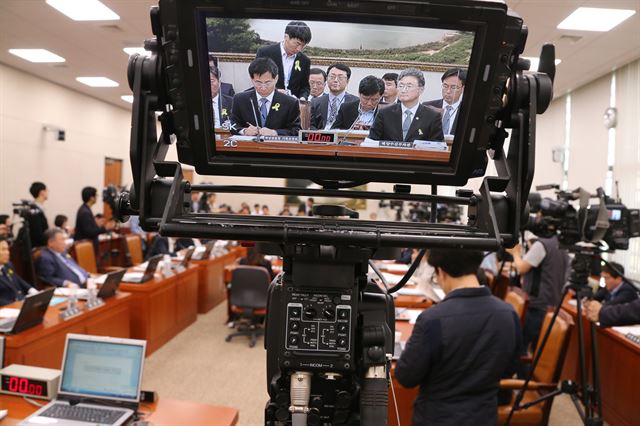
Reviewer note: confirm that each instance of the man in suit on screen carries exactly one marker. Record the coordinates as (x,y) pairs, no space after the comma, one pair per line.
(453,81)
(409,120)
(276,113)
(221,104)
(293,65)
(361,113)
(324,109)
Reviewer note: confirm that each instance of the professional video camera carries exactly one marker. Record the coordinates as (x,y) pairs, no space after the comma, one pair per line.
(609,222)
(25,208)
(110,196)
(329,329)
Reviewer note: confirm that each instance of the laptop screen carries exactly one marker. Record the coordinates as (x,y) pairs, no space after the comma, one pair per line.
(102,367)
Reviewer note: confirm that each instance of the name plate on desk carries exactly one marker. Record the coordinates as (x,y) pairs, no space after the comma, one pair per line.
(318,136)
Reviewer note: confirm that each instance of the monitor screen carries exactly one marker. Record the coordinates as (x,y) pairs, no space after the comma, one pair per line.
(102,369)
(334,89)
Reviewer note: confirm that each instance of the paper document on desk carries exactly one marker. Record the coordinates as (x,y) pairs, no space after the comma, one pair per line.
(410,291)
(404,314)
(394,267)
(9,312)
(100,279)
(630,329)
(81,293)
(132,276)
(141,267)
(392,279)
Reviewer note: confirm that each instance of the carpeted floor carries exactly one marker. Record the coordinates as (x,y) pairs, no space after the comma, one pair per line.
(198,365)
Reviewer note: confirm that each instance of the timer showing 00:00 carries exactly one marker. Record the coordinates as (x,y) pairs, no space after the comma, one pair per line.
(24,386)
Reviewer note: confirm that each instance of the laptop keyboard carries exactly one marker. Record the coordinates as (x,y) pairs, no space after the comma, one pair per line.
(82,414)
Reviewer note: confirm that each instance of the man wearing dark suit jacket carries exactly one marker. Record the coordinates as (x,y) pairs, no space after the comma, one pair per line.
(360,114)
(12,287)
(461,348)
(55,266)
(453,81)
(277,114)
(38,223)
(409,120)
(616,290)
(87,226)
(324,109)
(221,104)
(293,65)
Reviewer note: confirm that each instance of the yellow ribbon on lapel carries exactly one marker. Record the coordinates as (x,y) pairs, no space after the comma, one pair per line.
(276,106)
(296,66)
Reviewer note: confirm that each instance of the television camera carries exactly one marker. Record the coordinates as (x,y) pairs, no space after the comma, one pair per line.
(329,329)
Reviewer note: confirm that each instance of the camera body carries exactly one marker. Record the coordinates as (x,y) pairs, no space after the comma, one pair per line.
(25,209)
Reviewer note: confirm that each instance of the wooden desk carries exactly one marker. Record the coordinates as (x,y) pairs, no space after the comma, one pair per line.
(108,247)
(619,362)
(42,345)
(164,412)
(162,307)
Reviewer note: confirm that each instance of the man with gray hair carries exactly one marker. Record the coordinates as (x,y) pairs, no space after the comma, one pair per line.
(408,120)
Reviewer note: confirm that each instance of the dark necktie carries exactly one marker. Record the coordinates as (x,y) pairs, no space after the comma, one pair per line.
(333,111)
(263,111)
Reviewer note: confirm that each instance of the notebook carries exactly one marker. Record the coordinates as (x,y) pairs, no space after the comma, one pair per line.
(138,277)
(99,383)
(31,312)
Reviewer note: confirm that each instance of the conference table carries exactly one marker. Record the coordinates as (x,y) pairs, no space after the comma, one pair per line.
(162,412)
(619,365)
(43,345)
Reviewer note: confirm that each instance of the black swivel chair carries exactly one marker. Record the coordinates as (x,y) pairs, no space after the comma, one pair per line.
(248,300)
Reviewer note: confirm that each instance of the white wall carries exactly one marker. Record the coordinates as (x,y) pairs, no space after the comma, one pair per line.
(94,130)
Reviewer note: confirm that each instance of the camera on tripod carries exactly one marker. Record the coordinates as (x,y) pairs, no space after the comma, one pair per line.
(25,209)
(609,221)
(330,328)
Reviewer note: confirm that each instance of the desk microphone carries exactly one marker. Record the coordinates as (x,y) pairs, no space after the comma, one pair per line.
(255,117)
(346,135)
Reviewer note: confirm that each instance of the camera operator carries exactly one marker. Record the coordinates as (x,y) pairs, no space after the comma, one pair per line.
(613,315)
(616,290)
(87,226)
(12,287)
(38,223)
(544,269)
(460,348)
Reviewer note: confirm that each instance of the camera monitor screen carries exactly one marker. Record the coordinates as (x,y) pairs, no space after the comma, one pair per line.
(382,91)
(377,91)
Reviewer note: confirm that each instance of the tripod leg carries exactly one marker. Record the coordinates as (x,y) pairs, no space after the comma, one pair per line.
(583,362)
(595,370)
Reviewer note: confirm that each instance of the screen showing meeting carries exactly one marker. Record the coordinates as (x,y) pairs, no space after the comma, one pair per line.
(336,89)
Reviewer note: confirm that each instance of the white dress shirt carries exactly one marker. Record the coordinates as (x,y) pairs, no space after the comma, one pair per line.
(287,65)
(216,110)
(454,113)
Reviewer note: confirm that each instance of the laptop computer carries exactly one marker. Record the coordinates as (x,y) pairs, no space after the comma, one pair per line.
(31,312)
(99,383)
(139,277)
(204,254)
(184,263)
(111,284)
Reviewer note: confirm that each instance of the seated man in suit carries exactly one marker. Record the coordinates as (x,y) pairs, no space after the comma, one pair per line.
(453,81)
(221,103)
(277,114)
(293,65)
(324,109)
(317,82)
(55,266)
(12,287)
(360,114)
(225,88)
(616,290)
(390,95)
(89,227)
(409,120)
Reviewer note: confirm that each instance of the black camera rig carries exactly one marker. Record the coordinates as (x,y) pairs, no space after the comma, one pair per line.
(329,327)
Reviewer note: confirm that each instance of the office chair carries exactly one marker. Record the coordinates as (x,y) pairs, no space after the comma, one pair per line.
(134,249)
(39,282)
(248,299)
(546,376)
(85,256)
(517,298)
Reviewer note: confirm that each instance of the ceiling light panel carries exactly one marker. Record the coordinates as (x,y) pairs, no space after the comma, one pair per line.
(37,55)
(595,19)
(84,10)
(97,81)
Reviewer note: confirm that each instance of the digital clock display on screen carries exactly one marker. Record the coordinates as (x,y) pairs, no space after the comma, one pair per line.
(24,386)
(317,136)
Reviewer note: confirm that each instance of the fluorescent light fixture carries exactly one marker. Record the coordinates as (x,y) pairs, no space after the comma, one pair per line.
(37,55)
(84,10)
(127,98)
(139,50)
(97,81)
(536,61)
(595,19)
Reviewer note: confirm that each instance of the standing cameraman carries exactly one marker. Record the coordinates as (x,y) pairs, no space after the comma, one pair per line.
(544,269)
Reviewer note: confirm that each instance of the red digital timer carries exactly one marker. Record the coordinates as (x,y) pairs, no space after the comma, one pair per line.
(29,381)
(318,136)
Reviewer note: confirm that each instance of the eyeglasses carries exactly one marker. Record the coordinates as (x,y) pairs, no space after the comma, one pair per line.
(453,87)
(337,77)
(263,83)
(407,87)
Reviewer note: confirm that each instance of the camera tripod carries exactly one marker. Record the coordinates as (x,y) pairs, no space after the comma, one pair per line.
(584,395)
